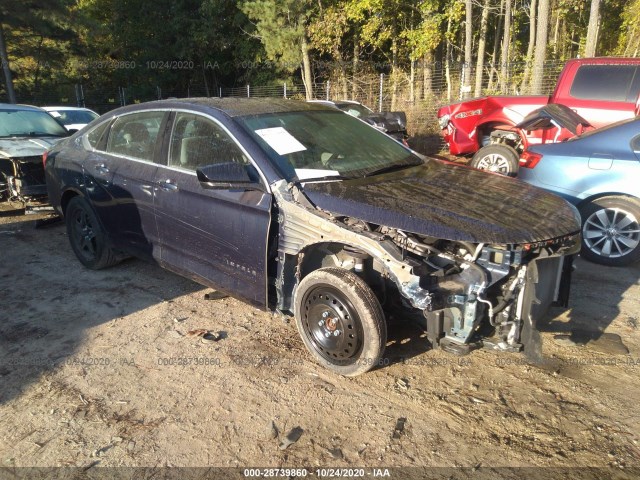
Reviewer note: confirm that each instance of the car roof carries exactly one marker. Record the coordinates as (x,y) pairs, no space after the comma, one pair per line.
(233,107)
(49,109)
(14,106)
(605,61)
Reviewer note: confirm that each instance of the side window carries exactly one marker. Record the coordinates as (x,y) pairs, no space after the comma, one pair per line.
(635,144)
(135,135)
(603,82)
(634,91)
(97,134)
(198,141)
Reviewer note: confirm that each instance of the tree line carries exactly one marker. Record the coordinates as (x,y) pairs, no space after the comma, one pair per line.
(170,44)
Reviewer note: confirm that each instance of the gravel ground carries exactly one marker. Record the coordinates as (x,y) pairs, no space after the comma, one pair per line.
(100,369)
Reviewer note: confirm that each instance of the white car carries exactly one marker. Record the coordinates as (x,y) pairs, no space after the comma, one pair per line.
(73,118)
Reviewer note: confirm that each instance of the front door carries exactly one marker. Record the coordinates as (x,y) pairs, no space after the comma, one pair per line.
(218,237)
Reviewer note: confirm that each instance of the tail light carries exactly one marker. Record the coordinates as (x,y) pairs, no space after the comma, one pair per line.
(44,158)
(529,159)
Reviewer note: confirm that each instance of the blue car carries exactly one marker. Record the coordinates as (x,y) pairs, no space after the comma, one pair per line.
(301,209)
(598,172)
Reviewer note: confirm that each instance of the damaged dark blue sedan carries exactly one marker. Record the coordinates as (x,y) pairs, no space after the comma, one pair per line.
(298,208)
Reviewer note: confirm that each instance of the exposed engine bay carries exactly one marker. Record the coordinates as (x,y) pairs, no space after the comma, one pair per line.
(469,294)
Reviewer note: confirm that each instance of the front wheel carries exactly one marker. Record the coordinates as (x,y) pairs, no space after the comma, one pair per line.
(340,321)
(501,159)
(611,230)
(87,237)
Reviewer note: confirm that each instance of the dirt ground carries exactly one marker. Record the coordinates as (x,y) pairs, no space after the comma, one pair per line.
(98,369)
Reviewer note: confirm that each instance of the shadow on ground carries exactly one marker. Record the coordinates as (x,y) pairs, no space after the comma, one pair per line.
(50,300)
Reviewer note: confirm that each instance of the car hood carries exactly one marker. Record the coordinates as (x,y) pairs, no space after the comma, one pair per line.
(450,202)
(26,146)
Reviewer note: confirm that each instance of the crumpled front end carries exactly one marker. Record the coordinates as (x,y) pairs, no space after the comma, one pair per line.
(469,295)
(23,178)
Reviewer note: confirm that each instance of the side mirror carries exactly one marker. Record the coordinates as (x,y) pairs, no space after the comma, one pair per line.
(227,176)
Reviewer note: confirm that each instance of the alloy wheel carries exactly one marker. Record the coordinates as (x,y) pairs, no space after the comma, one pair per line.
(85,236)
(611,232)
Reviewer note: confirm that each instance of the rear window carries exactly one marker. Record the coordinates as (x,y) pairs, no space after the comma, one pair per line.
(95,136)
(134,135)
(606,82)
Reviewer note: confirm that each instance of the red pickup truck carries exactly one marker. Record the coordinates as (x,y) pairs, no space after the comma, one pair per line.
(601,90)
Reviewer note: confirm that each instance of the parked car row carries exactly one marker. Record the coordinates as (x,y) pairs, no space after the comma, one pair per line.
(299,208)
(600,90)
(583,144)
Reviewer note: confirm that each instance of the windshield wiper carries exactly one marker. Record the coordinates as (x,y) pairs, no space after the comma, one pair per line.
(43,134)
(391,168)
(324,179)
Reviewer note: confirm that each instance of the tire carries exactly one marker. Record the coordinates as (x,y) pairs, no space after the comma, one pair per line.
(501,159)
(86,236)
(611,230)
(331,300)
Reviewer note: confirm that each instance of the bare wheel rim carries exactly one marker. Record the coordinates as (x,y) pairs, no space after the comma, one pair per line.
(611,232)
(84,234)
(494,162)
(332,325)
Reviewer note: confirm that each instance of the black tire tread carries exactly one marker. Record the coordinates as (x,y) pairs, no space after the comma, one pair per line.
(106,257)
(513,161)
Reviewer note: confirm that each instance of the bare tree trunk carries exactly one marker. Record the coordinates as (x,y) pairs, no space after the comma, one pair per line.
(8,79)
(354,74)
(506,41)
(412,84)
(541,46)
(468,47)
(556,34)
(482,45)
(427,75)
(345,85)
(591,45)
(530,47)
(496,45)
(394,73)
(447,60)
(306,69)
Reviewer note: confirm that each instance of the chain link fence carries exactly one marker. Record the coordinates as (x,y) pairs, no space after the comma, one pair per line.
(419,93)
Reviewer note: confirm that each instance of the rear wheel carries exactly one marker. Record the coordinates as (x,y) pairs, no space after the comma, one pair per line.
(340,321)
(611,230)
(501,159)
(86,236)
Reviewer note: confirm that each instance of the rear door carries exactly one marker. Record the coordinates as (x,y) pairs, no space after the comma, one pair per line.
(218,237)
(604,94)
(123,176)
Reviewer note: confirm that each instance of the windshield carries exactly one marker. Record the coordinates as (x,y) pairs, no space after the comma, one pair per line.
(321,144)
(29,123)
(74,117)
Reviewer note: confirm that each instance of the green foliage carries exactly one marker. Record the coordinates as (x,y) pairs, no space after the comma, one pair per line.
(125,43)
(280,25)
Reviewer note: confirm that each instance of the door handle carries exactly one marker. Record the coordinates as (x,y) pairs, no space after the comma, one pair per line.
(102,168)
(168,185)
